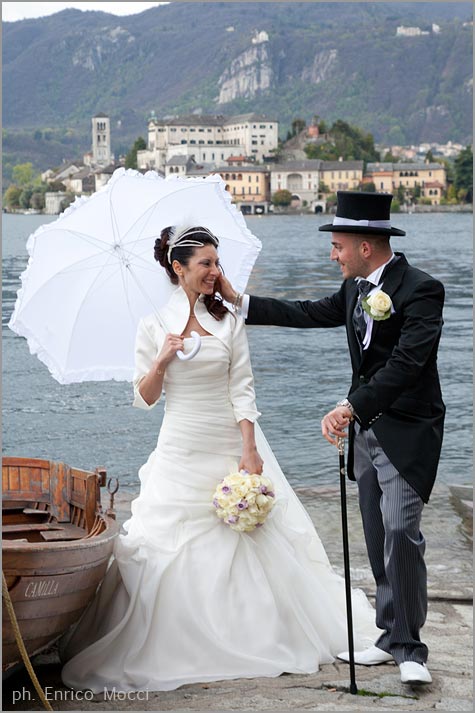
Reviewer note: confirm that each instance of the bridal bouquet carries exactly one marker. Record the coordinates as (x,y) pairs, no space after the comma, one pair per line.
(243,501)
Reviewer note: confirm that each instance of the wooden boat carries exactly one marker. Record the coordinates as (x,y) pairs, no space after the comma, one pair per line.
(56,546)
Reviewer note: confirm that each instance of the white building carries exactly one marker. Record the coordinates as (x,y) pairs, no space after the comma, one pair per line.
(301,178)
(208,139)
(53,202)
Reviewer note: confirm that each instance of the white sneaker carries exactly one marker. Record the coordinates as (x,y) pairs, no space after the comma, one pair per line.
(369,657)
(414,673)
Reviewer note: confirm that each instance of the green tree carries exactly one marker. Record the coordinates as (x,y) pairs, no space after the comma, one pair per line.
(298,125)
(131,157)
(25,197)
(368,187)
(12,196)
(346,141)
(22,174)
(67,200)
(463,178)
(282,198)
(38,200)
(429,157)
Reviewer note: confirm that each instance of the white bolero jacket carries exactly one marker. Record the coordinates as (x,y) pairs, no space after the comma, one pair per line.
(230,330)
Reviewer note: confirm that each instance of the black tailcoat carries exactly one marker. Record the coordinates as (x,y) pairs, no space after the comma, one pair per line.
(395,387)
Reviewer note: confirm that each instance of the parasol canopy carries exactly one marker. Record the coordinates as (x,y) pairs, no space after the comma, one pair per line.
(91,274)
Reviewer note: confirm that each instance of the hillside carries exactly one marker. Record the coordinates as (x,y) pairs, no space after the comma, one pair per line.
(338,60)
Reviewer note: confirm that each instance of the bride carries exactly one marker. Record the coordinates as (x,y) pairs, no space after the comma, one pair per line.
(187,599)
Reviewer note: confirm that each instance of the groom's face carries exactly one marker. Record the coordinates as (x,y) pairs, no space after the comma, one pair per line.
(347,250)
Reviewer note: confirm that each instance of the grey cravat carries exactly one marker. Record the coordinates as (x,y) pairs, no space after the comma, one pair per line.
(359,322)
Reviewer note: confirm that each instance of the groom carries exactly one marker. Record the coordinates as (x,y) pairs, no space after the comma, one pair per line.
(392,313)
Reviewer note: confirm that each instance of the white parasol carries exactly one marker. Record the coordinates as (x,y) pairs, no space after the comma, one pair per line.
(91,275)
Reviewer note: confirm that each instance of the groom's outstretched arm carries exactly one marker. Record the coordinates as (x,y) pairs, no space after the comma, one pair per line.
(327,312)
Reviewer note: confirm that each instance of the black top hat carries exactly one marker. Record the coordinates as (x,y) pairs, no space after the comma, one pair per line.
(362,213)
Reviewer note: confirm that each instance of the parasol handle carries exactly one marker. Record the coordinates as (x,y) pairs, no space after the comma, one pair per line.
(194,350)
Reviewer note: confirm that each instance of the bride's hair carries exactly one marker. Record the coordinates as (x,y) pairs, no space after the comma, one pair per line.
(213,304)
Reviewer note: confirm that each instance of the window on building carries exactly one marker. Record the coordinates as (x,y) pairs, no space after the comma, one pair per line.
(201,141)
(243,190)
(212,156)
(254,144)
(233,176)
(204,156)
(226,178)
(239,177)
(201,130)
(209,131)
(98,139)
(257,190)
(173,129)
(257,177)
(184,141)
(192,128)
(183,130)
(234,190)
(250,190)
(192,141)
(262,126)
(249,178)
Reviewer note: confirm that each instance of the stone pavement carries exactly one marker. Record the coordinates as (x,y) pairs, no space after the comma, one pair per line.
(448,633)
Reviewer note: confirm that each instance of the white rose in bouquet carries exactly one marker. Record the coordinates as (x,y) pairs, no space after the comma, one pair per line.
(243,501)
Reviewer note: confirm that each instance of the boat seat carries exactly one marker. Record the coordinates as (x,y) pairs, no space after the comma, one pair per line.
(56,535)
(30,527)
(35,512)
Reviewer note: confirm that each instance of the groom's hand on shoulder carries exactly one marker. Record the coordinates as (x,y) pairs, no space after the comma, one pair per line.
(334,424)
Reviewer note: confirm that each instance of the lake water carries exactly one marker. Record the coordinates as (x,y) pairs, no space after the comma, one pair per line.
(299,374)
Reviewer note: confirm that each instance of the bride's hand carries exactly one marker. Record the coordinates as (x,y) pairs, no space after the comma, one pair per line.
(172,344)
(251,461)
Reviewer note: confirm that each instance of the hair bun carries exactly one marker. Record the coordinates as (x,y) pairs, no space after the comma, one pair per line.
(160,249)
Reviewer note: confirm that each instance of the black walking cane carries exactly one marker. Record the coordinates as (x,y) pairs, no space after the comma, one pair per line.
(346,559)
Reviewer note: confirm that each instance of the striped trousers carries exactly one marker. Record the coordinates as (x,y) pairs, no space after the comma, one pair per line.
(391,511)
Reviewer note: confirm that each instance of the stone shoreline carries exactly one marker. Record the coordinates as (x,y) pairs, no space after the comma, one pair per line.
(448,633)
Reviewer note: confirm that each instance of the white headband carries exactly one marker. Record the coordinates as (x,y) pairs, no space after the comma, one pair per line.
(363,223)
(179,238)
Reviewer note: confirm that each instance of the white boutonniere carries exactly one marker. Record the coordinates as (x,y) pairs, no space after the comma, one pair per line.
(378,305)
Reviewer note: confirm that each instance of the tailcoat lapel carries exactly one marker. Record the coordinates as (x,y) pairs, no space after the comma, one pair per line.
(391,282)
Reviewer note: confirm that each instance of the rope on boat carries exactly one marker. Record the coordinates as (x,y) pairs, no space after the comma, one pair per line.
(21,644)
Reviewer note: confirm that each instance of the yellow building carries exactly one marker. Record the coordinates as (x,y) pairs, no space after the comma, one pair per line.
(388,177)
(341,175)
(249,187)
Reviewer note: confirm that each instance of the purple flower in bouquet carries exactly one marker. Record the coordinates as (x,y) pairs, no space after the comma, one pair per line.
(233,519)
(216,504)
(226,489)
(263,489)
(270,494)
(243,504)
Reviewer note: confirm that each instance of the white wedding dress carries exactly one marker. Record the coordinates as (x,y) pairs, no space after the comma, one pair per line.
(187,599)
